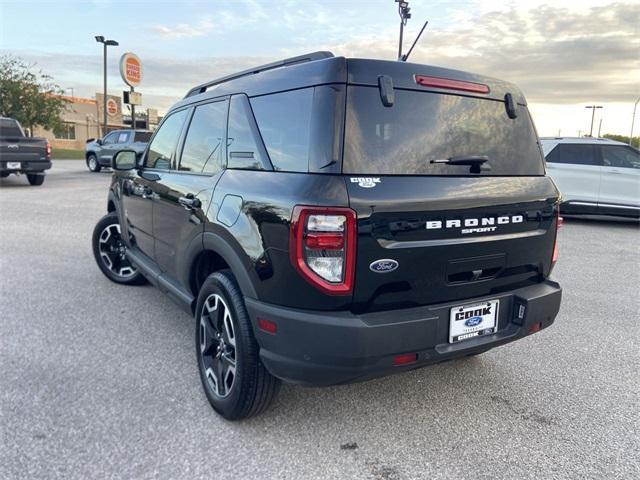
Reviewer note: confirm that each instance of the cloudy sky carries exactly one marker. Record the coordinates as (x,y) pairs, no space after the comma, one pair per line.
(563,54)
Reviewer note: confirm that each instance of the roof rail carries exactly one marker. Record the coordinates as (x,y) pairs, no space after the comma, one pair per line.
(309,57)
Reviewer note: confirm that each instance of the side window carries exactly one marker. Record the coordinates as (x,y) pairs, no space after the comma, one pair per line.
(123,137)
(110,138)
(620,156)
(284,120)
(577,154)
(164,142)
(203,146)
(242,139)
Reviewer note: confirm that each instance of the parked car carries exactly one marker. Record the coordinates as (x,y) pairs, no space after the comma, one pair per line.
(21,154)
(596,176)
(99,152)
(329,220)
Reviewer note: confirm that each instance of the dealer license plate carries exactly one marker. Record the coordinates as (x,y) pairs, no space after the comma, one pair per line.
(14,165)
(473,320)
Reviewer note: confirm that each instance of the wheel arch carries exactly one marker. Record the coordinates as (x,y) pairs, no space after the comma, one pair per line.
(216,254)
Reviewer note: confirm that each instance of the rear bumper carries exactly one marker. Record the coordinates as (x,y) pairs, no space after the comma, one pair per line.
(29,166)
(327,348)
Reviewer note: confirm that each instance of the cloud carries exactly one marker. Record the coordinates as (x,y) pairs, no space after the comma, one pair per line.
(185,30)
(554,54)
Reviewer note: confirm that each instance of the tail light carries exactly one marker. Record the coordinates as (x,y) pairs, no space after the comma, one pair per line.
(48,151)
(554,257)
(323,247)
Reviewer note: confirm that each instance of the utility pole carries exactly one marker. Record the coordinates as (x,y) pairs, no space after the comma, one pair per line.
(633,119)
(599,128)
(593,114)
(403,11)
(105,43)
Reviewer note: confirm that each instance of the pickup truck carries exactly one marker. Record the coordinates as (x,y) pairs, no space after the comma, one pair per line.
(22,154)
(100,151)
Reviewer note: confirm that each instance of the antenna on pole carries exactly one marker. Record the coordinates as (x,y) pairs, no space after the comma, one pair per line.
(403,58)
(403,11)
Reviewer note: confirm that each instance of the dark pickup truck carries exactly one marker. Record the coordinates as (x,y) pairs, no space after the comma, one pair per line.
(100,151)
(22,154)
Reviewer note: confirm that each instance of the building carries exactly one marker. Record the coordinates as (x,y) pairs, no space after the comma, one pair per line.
(83,120)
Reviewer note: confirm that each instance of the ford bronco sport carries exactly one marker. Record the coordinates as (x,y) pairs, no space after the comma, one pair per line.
(329,220)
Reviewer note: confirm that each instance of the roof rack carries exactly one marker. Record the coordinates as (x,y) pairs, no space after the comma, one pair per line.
(309,57)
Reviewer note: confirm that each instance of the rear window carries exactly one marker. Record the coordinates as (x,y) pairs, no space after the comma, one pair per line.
(424,126)
(10,128)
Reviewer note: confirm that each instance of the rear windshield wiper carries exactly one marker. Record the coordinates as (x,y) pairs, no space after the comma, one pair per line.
(476,162)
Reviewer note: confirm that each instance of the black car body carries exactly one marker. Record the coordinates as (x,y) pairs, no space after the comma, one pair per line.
(99,152)
(22,154)
(360,205)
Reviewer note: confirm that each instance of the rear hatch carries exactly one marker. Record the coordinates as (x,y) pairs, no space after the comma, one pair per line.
(479,220)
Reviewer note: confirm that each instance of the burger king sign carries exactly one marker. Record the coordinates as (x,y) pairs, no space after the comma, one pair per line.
(131,69)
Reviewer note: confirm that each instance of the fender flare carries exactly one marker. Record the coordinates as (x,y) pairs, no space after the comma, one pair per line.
(216,243)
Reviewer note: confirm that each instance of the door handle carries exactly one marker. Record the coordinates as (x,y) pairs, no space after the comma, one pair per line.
(189,202)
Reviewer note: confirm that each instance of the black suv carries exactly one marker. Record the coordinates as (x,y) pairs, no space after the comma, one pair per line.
(329,220)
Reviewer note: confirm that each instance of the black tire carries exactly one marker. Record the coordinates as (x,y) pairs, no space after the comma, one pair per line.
(92,163)
(108,250)
(35,179)
(252,387)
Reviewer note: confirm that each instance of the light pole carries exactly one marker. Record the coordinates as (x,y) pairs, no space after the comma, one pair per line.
(403,11)
(105,43)
(633,120)
(593,114)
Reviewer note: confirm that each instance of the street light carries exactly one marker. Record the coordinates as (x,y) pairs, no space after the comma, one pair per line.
(403,11)
(105,43)
(633,120)
(593,114)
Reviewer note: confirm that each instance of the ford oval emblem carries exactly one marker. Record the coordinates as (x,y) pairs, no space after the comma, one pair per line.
(473,321)
(384,265)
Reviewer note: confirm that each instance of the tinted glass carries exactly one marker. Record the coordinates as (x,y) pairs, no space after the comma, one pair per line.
(203,144)
(143,136)
(620,156)
(110,138)
(284,120)
(573,153)
(242,139)
(165,141)
(10,128)
(424,126)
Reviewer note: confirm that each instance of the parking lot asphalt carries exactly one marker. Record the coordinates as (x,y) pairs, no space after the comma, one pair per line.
(100,381)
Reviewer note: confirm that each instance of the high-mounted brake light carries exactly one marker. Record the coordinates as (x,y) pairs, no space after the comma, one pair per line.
(450,84)
(322,247)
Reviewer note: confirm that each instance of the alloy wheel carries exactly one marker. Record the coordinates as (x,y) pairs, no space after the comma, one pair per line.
(218,345)
(113,252)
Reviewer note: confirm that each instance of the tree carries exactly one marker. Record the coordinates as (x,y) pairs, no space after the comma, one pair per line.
(624,139)
(33,99)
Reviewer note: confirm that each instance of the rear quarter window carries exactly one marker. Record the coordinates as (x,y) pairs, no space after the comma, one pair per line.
(284,120)
(424,126)
(574,154)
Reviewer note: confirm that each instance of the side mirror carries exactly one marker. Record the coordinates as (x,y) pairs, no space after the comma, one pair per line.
(99,141)
(124,160)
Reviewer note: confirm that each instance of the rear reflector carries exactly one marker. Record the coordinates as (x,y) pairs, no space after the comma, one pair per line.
(267,325)
(535,327)
(447,83)
(405,359)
